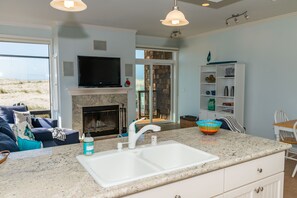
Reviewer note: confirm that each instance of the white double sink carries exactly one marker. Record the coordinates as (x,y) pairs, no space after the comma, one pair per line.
(117,167)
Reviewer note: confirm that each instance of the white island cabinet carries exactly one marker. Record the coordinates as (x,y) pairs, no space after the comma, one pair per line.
(259,178)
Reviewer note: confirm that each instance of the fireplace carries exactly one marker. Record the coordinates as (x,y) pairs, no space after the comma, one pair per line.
(98,97)
(101,120)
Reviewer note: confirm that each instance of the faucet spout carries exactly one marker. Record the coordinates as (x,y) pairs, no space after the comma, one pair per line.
(146,128)
(133,136)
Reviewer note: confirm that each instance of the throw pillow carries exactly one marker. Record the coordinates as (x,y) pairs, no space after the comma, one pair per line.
(23,130)
(25,144)
(22,117)
(58,133)
(44,123)
(6,143)
(25,137)
(5,128)
(6,112)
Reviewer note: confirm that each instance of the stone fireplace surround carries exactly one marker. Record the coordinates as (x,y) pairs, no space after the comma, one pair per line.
(90,97)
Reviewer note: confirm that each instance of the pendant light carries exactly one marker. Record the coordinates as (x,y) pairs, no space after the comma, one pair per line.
(175,17)
(69,5)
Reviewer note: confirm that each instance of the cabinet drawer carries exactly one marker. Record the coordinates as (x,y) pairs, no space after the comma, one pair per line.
(202,186)
(270,187)
(242,174)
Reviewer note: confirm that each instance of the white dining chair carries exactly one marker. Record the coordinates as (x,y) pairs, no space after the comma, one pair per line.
(287,137)
(293,153)
(281,116)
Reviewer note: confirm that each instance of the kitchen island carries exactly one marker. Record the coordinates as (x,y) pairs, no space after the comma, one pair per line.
(55,172)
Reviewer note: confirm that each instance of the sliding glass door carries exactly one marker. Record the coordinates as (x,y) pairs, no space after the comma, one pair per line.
(154,92)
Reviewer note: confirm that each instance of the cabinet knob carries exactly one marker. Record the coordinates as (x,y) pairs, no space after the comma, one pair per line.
(177,196)
(260,189)
(257,190)
(260,170)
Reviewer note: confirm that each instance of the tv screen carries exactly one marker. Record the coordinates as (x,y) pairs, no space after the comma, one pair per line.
(99,71)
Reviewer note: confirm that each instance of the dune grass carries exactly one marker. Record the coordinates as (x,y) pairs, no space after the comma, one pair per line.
(35,94)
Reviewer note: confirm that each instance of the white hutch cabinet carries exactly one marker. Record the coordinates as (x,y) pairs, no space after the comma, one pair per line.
(227,90)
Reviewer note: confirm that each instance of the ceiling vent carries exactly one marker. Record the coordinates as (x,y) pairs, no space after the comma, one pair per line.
(216,4)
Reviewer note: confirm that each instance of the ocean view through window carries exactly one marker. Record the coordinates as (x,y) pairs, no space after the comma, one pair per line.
(25,75)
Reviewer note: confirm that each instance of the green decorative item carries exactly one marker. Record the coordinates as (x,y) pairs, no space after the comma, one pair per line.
(211,104)
(209,56)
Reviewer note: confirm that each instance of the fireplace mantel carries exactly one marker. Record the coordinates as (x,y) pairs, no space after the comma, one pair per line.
(97,91)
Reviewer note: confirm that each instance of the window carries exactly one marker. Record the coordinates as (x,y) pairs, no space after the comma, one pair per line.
(153,54)
(25,75)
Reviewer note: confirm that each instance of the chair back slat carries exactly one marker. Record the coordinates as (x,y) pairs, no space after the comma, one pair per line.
(280,116)
(295,131)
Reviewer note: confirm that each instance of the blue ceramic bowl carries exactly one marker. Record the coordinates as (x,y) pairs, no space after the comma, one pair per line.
(209,127)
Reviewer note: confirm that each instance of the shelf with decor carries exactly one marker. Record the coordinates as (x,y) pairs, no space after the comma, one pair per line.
(222,77)
(230,97)
(227,107)
(205,95)
(222,86)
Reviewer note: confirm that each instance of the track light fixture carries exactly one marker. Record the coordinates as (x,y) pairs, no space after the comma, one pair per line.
(175,34)
(236,16)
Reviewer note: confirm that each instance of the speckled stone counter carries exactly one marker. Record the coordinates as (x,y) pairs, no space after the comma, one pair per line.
(55,172)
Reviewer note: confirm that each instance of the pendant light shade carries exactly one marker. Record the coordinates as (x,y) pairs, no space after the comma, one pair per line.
(69,5)
(175,17)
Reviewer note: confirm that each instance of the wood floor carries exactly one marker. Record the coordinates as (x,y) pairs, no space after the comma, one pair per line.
(290,187)
(147,121)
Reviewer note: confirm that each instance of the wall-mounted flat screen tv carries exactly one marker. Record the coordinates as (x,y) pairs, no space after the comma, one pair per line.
(99,71)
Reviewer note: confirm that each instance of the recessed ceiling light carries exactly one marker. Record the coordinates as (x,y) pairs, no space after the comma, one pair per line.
(205,4)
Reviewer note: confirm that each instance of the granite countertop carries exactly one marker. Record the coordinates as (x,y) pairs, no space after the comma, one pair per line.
(55,172)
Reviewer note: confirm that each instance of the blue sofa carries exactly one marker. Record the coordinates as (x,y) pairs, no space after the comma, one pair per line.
(41,128)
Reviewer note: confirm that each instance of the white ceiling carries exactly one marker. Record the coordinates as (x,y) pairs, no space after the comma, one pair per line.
(141,15)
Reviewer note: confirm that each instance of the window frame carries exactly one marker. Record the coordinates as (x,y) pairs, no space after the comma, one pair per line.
(30,40)
(173,62)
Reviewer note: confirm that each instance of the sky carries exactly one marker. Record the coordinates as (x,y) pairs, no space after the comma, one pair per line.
(19,68)
(139,68)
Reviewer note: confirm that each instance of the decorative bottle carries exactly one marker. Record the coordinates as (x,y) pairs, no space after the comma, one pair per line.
(232,91)
(226,91)
(211,104)
(127,83)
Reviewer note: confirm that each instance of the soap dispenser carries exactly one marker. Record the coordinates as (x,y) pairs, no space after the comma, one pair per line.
(88,145)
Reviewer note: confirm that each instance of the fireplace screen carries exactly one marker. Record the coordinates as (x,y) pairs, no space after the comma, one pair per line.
(101,120)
